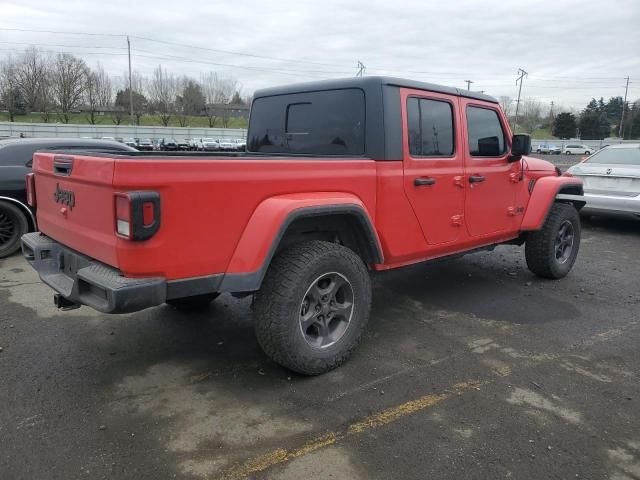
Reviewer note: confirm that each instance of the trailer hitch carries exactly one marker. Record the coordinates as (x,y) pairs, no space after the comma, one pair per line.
(64,303)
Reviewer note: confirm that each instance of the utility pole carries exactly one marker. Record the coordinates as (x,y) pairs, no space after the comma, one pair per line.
(469,82)
(361,69)
(130,87)
(522,74)
(624,104)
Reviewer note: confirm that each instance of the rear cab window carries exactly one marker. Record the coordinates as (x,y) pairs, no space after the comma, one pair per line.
(485,132)
(328,122)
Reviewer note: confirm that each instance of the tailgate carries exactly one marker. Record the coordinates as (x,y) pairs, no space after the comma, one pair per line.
(75,202)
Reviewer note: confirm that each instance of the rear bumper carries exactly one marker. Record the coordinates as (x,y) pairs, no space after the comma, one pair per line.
(611,204)
(84,281)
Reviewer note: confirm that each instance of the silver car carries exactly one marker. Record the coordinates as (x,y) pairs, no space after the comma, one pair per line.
(611,179)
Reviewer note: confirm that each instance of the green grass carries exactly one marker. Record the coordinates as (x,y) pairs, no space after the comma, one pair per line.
(145,120)
(539,134)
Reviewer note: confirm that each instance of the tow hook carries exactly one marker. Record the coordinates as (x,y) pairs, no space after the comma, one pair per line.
(63,303)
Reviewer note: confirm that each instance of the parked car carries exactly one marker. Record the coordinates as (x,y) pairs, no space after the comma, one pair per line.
(168,144)
(209,145)
(183,144)
(194,144)
(227,144)
(302,235)
(130,142)
(241,144)
(145,144)
(577,149)
(611,178)
(16,218)
(549,148)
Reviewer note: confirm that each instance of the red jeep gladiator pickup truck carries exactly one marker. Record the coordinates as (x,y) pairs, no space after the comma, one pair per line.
(340,178)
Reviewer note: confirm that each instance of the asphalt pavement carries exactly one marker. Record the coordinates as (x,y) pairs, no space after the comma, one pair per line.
(471,368)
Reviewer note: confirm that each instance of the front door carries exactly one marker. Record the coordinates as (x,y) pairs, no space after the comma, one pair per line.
(492,180)
(433,164)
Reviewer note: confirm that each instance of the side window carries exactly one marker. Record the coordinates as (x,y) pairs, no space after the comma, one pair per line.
(328,122)
(486,137)
(430,127)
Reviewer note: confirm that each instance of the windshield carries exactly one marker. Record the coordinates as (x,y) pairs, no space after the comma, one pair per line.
(207,139)
(616,156)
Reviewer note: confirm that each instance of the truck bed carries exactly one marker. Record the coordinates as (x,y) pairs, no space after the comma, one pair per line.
(207,200)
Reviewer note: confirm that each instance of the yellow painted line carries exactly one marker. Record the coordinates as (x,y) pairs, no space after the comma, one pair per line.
(389,415)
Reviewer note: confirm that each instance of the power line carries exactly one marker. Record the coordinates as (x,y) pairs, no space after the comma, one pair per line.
(63,33)
(469,82)
(61,46)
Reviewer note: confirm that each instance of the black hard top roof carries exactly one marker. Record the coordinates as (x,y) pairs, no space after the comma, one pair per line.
(369,82)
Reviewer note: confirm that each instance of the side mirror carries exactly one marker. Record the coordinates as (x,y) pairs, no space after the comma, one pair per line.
(520,145)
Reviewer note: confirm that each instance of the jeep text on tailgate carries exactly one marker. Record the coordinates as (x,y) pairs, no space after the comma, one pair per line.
(341,178)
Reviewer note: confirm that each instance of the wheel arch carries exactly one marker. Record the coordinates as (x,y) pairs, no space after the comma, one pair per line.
(24,208)
(345,222)
(546,191)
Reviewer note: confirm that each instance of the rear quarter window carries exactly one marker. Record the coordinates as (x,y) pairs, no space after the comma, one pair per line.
(329,122)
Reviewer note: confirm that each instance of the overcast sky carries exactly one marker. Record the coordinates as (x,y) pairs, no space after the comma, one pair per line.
(573,50)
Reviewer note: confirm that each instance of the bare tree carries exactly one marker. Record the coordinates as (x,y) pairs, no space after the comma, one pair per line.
(31,73)
(97,92)
(46,103)
(10,94)
(68,75)
(217,91)
(506,103)
(162,91)
(530,115)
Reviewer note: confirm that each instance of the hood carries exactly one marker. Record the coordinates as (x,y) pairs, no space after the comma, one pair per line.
(537,165)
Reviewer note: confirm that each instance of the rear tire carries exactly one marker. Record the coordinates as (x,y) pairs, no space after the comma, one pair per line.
(587,152)
(194,303)
(13,224)
(313,307)
(551,251)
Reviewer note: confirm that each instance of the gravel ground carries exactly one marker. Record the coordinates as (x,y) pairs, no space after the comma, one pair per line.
(471,368)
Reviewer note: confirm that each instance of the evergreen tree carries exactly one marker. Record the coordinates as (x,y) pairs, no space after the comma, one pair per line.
(564,125)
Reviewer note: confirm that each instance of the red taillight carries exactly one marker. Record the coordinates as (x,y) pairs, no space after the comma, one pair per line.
(137,214)
(31,190)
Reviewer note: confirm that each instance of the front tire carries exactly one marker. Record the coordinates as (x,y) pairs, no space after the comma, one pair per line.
(551,251)
(313,307)
(13,224)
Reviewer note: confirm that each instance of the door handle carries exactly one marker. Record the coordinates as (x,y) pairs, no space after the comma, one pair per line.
(476,178)
(424,181)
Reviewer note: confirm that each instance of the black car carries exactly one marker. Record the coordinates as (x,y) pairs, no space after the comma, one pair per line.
(16,155)
(168,144)
(145,145)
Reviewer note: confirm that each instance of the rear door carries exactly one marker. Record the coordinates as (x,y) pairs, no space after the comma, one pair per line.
(433,164)
(492,181)
(75,202)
